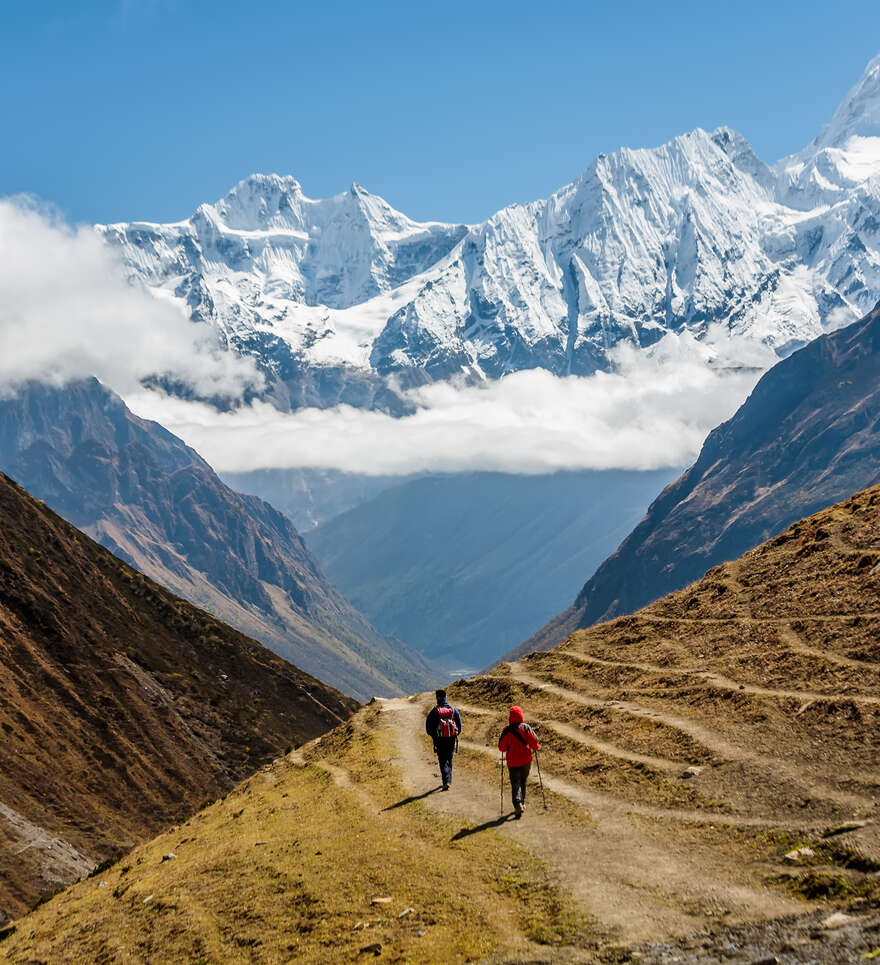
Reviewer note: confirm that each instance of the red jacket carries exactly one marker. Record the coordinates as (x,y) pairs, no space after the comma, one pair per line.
(518,753)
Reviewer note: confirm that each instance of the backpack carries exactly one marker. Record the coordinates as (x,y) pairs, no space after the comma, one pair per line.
(446,724)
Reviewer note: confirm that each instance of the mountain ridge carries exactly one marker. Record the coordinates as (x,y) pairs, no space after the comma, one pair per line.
(808,434)
(357,302)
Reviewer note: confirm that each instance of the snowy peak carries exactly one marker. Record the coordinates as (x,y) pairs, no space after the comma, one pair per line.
(346,299)
(643,242)
(740,152)
(265,247)
(266,202)
(858,114)
(262,201)
(844,155)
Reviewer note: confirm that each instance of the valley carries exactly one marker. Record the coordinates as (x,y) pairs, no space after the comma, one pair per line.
(463,566)
(710,772)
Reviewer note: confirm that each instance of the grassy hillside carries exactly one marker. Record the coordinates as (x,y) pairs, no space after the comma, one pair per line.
(691,753)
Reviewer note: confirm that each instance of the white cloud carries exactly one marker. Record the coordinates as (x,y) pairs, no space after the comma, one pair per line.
(653,410)
(68,311)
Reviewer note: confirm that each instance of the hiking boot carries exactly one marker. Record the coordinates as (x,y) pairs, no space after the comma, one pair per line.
(517,809)
(445,787)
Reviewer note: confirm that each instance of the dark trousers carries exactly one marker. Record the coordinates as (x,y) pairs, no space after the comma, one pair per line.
(445,748)
(518,778)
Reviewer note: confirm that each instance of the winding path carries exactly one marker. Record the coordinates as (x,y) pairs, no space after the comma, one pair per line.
(615,863)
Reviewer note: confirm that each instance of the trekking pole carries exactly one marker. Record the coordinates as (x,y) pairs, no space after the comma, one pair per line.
(541,780)
(502,784)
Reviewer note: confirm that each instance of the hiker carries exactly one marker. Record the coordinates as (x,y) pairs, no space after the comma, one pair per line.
(517,741)
(443,725)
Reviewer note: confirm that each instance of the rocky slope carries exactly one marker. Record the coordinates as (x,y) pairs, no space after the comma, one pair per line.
(808,434)
(462,566)
(347,300)
(122,707)
(714,757)
(155,503)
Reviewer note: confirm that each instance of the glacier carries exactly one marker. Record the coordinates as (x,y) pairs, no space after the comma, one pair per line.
(346,300)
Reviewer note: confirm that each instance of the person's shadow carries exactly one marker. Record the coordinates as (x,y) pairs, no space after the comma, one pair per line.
(413,797)
(486,826)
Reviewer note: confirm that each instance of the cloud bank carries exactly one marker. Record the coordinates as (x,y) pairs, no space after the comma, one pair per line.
(68,311)
(652,411)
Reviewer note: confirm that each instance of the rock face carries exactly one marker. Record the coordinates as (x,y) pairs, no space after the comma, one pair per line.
(348,300)
(808,435)
(122,707)
(155,503)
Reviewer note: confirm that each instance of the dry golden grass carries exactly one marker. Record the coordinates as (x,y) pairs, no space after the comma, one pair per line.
(287,868)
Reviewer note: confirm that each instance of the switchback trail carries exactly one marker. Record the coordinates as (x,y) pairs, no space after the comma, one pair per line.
(795,643)
(710,739)
(725,683)
(612,750)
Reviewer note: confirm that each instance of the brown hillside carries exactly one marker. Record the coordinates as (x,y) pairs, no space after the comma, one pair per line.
(687,750)
(767,671)
(122,708)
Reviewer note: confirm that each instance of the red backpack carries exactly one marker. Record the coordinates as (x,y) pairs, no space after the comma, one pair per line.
(446,725)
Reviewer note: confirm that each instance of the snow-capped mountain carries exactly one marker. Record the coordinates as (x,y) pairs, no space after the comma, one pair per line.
(345,299)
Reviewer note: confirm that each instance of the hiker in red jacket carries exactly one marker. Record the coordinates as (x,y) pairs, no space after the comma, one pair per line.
(517,741)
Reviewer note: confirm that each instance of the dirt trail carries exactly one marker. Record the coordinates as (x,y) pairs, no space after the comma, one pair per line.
(621,871)
(728,683)
(628,664)
(602,805)
(725,683)
(710,739)
(794,642)
(802,617)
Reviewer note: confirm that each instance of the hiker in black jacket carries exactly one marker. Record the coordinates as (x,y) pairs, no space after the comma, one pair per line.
(443,725)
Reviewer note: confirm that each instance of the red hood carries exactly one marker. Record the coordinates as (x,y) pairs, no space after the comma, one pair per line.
(516,715)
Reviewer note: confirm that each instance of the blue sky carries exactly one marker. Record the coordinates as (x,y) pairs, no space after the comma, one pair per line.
(141,109)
